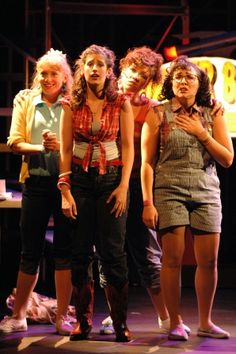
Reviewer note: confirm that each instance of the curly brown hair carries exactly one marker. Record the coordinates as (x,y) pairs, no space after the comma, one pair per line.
(203,96)
(144,56)
(79,87)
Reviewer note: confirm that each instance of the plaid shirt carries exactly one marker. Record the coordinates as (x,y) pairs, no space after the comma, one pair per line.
(109,129)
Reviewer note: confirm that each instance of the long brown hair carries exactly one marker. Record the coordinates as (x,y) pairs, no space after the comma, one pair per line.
(79,87)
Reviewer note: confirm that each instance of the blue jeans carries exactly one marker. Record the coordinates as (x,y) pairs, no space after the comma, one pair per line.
(97,229)
(41,199)
(141,241)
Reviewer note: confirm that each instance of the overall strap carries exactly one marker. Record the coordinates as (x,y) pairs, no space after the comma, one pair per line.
(168,111)
(208,119)
(165,125)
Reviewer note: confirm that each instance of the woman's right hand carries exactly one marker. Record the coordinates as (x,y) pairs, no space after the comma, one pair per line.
(150,216)
(68,203)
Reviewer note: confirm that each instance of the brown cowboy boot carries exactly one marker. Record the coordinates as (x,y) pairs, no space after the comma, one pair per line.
(84,300)
(118,299)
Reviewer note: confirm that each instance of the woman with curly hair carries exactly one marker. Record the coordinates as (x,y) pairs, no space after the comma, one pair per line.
(180,147)
(141,67)
(95,166)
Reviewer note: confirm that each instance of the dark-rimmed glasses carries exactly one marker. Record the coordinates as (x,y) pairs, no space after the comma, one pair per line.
(189,78)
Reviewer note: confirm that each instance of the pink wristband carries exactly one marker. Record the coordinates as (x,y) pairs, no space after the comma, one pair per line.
(63,180)
(147,203)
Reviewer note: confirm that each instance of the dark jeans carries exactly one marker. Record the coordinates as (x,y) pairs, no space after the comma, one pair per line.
(141,241)
(96,226)
(41,199)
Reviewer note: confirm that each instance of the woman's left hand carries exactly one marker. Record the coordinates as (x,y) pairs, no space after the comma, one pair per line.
(189,123)
(50,142)
(120,195)
(68,203)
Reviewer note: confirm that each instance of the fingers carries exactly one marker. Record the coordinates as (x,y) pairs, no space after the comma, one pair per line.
(150,224)
(69,208)
(119,208)
(150,218)
(66,212)
(45,133)
(50,144)
(69,213)
(110,198)
(74,211)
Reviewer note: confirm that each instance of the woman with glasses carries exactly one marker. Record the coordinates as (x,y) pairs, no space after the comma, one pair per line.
(179,151)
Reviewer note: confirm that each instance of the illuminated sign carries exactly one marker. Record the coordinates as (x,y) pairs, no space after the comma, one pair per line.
(222,74)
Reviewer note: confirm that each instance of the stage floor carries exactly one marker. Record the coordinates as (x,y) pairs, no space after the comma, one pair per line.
(42,339)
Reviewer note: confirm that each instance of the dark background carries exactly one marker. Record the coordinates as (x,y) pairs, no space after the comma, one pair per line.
(22,30)
(73,32)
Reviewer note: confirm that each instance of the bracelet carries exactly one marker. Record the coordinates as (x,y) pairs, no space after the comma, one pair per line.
(63,180)
(65,174)
(147,203)
(206,139)
(60,183)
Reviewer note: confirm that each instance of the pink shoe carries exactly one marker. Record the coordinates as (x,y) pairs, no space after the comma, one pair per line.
(178,333)
(213,332)
(164,326)
(63,327)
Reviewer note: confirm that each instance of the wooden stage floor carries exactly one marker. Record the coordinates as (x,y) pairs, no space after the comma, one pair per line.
(41,339)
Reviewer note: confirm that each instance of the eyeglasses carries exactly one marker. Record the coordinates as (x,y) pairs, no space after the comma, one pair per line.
(189,78)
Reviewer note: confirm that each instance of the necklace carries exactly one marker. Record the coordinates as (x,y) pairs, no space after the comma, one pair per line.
(96,108)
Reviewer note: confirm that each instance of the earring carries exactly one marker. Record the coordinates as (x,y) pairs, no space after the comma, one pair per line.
(63,88)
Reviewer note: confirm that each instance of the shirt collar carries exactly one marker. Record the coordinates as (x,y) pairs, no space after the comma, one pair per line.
(176,106)
(37,100)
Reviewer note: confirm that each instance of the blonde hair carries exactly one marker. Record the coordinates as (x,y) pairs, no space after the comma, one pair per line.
(56,59)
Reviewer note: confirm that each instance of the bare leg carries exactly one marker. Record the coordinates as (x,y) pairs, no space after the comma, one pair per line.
(158,303)
(63,291)
(206,252)
(24,288)
(173,244)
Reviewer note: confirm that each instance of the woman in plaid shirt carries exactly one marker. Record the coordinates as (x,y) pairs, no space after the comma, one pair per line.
(97,145)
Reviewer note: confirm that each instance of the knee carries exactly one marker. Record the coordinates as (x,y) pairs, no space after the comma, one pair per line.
(150,277)
(62,263)
(172,261)
(207,263)
(29,266)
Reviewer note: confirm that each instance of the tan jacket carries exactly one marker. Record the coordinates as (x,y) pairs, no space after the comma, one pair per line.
(21,125)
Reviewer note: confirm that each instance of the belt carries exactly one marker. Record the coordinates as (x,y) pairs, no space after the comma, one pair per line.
(78,161)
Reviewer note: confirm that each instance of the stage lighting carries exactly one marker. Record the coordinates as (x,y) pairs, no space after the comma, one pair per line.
(170,53)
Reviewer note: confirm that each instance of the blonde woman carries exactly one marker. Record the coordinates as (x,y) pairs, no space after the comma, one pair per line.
(34,133)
